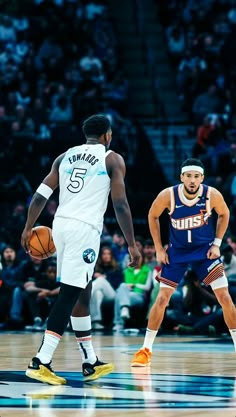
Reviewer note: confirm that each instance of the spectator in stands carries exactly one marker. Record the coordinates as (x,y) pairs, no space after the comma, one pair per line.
(94,9)
(11,281)
(90,61)
(62,111)
(30,270)
(106,279)
(86,99)
(20,117)
(7,30)
(133,293)
(203,133)
(23,95)
(41,295)
(193,310)
(39,113)
(14,220)
(231,241)
(175,43)
(149,254)
(119,248)
(206,103)
(48,49)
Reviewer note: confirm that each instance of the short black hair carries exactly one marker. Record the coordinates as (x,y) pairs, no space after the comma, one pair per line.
(192,161)
(139,238)
(96,126)
(148,242)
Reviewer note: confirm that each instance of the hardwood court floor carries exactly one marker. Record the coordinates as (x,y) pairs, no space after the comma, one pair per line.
(187,377)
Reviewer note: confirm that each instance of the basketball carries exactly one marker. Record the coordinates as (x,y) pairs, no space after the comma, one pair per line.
(41,244)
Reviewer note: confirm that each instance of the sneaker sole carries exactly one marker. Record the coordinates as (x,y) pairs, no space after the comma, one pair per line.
(100,371)
(48,379)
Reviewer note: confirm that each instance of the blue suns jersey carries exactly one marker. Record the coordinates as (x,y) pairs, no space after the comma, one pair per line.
(190,220)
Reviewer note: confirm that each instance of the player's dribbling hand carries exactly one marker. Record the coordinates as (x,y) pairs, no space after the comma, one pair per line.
(162,256)
(25,238)
(135,256)
(213,252)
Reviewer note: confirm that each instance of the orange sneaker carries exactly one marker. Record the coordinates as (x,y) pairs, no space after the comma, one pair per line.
(142,357)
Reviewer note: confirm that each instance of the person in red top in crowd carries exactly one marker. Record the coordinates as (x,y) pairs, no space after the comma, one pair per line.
(203,133)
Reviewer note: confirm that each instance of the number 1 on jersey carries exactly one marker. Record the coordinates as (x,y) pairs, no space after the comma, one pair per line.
(189,236)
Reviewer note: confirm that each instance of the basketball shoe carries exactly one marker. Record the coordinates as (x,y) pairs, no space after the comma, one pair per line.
(43,372)
(96,370)
(142,357)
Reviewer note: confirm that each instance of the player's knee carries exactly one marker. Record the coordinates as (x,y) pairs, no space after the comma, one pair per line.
(224,298)
(162,300)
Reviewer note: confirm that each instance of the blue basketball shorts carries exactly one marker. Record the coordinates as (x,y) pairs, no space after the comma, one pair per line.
(207,270)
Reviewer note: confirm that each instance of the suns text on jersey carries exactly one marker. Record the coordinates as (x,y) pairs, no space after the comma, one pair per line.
(186,223)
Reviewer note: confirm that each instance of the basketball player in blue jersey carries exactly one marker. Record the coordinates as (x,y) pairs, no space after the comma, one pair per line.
(86,175)
(192,240)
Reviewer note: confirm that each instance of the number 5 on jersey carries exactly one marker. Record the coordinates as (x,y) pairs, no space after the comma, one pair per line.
(76,180)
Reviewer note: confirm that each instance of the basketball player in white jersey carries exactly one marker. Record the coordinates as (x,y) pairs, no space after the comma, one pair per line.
(85,175)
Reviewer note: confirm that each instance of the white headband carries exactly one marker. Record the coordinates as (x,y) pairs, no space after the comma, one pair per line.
(192,168)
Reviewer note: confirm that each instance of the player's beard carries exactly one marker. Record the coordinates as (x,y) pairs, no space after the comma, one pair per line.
(190,192)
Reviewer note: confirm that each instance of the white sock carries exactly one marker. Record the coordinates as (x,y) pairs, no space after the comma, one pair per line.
(48,347)
(86,349)
(233,335)
(149,338)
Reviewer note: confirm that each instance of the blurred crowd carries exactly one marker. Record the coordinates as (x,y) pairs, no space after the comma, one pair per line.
(200,36)
(59,64)
(29,286)
(121,296)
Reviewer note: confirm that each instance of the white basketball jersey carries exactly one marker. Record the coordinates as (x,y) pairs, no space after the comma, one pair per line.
(84,184)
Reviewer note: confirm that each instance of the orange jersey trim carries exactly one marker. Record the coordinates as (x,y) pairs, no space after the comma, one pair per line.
(53,334)
(216,273)
(167,282)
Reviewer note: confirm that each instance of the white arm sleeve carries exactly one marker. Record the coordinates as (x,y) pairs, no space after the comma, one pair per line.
(44,190)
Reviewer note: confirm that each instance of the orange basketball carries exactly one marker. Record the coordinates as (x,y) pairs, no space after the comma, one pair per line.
(41,243)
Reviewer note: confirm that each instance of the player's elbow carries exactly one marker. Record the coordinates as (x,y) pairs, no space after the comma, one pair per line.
(120,204)
(225,215)
(151,216)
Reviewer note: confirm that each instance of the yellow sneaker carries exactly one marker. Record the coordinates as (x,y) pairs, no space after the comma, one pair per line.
(43,372)
(96,370)
(142,357)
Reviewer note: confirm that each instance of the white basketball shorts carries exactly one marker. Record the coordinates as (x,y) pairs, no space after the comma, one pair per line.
(77,245)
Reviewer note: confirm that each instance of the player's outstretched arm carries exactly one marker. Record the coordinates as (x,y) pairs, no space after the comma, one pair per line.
(116,170)
(39,200)
(161,203)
